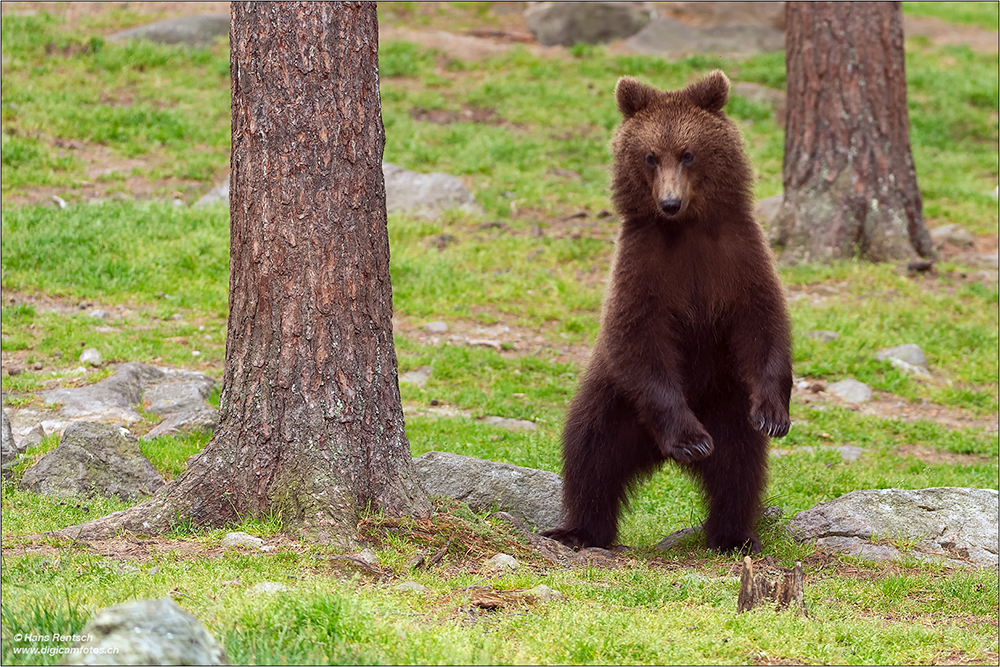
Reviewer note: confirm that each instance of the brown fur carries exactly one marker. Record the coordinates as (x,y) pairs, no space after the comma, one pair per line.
(693,359)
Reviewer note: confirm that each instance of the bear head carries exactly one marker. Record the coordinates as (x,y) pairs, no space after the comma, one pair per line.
(677,157)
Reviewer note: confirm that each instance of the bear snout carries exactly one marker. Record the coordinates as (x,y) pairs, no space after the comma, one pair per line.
(671,206)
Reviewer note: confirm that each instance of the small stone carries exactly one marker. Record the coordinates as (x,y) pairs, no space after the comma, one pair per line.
(954,234)
(436,327)
(410,587)
(540,592)
(822,336)
(368,556)
(38,366)
(909,354)
(502,563)
(98,314)
(13,370)
(269,587)
(59,201)
(417,376)
(240,539)
(267,548)
(91,356)
(177,316)
(34,436)
(850,390)
(510,424)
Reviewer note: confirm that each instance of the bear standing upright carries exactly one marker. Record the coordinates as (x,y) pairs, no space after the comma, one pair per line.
(693,359)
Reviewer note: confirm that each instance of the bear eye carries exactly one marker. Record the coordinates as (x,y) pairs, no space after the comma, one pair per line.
(650,160)
(687,158)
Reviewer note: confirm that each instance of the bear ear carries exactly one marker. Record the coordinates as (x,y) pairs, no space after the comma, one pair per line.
(711,93)
(632,96)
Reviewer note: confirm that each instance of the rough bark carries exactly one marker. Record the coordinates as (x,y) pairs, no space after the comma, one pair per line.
(850,183)
(311,424)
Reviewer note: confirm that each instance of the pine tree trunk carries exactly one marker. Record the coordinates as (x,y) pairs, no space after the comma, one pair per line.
(850,183)
(311,424)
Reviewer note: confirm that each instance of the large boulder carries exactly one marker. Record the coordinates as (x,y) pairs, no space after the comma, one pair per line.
(954,525)
(534,496)
(194,31)
(94,459)
(146,632)
(566,23)
(671,38)
(425,195)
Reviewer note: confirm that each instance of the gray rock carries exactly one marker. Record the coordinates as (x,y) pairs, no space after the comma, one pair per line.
(671,38)
(146,632)
(675,538)
(240,539)
(908,353)
(850,390)
(269,588)
(91,356)
(979,260)
(418,376)
(822,336)
(204,418)
(368,556)
(94,459)
(707,14)
(33,437)
(99,314)
(9,451)
(111,399)
(425,195)
(847,452)
(436,327)
(954,234)
(502,563)
(510,424)
(410,587)
(540,592)
(176,395)
(220,193)
(566,23)
(195,31)
(949,524)
(533,496)
(173,396)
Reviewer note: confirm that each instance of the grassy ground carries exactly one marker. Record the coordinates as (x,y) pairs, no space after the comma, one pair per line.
(138,126)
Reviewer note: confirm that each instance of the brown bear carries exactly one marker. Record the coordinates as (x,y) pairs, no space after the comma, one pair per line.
(693,358)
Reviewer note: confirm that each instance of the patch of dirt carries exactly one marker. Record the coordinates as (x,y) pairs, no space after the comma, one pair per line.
(76,12)
(944,33)
(937,456)
(510,341)
(466,115)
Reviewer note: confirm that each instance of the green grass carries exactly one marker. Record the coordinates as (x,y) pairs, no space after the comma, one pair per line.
(982,14)
(145,262)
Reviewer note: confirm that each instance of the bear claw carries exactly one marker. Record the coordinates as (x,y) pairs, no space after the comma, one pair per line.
(692,452)
(771,429)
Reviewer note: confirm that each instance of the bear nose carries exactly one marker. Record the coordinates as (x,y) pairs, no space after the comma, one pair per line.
(670,206)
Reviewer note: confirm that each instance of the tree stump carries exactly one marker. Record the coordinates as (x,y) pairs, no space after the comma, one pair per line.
(758,589)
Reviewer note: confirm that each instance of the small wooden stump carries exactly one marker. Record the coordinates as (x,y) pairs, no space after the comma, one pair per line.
(756,590)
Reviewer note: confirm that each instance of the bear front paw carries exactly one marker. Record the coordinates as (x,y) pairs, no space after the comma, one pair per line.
(689,447)
(771,422)
(570,537)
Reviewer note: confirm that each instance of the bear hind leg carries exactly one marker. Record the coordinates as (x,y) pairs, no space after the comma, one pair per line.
(605,450)
(734,478)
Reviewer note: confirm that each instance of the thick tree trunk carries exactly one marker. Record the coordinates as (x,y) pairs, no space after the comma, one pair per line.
(850,183)
(311,421)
